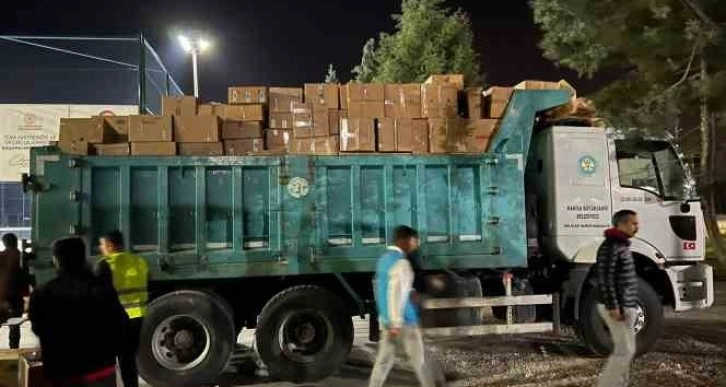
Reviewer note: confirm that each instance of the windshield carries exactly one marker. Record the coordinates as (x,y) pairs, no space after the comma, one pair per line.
(652,166)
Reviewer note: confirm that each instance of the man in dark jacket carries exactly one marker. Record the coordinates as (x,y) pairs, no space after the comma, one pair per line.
(618,292)
(13,285)
(78,320)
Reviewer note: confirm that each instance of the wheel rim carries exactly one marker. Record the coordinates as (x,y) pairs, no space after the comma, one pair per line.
(304,334)
(639,319)
(181,342)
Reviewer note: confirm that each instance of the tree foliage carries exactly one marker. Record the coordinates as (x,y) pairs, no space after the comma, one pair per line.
(429,39)
(332,75)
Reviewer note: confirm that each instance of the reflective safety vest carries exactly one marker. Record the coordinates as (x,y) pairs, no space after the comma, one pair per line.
(130,278)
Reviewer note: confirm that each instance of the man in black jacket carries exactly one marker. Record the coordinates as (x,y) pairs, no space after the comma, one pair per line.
(618,292)
(78,320)
(13,285)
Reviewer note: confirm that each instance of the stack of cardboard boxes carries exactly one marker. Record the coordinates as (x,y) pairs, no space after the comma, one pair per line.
(323,119)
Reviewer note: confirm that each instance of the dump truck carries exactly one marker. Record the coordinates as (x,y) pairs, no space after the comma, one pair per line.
(287,244)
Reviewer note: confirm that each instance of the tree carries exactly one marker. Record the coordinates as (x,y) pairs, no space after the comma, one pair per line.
(429,39)
(673,55)
(332,75)
(368,66)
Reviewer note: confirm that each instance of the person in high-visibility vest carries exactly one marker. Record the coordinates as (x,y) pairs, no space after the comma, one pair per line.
(129,275)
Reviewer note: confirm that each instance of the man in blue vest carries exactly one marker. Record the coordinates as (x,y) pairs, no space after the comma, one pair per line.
(399,320)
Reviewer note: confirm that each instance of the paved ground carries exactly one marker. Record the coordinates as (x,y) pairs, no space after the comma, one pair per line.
(691,353)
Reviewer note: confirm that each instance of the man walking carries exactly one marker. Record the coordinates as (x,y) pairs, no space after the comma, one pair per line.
(13,285)
(618,290)
(129,275)
(78,321)
(397,313)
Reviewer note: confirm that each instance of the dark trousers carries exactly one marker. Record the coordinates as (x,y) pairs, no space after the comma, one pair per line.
(14,336)
(127,359)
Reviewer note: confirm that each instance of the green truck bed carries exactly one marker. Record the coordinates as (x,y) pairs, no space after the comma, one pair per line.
(226,217)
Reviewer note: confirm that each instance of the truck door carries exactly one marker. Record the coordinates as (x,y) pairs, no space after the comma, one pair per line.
(649,178)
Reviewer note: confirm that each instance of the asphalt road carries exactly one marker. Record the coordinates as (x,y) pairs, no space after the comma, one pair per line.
(692,352)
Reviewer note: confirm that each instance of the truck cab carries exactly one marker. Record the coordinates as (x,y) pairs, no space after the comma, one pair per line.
(581,176)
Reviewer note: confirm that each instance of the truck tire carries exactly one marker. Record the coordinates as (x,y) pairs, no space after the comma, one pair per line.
(187,339)
(649,324)
(304,334)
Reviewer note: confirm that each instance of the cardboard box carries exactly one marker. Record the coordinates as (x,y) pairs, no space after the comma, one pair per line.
(200,149)
(366,109)
(343,97)
(250,112)
(321,125)
(247,94)
(153,148)
(302,120)
(75,147)
(322,96)
(495,101)
(334,117)
(453,79)
(318,146)
(237,130)
(403,100)
(357,135)
(456,135)
(112,149)
(277,139)
(439,100)
(358,92)
(178,106)
(243,147)
(197,129)
(150,128)
(211,109)
(120,127)
(281,120)
(281,98)
(395,134)
(474,105)
(94,130)
(420,136)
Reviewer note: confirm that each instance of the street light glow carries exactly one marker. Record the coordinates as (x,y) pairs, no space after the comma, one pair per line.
(203,44)
(196,44)
(185,43)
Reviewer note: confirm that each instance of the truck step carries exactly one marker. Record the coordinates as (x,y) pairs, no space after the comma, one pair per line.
(480,330)
(477,302)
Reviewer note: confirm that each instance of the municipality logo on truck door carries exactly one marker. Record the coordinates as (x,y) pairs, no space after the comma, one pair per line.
(587,165)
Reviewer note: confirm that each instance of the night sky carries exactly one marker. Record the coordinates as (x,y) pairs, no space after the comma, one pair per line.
(272,42)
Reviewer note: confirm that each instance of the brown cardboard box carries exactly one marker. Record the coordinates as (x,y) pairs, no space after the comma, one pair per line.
(247,94)
(201,149)
(277,139)
(318,146)
(197,129)
(250,112)
(343,97)
(150,128)
(366,109)
(372,92)
(403,100)
(178,106)
(302,120)
(495,101)
(94,130)
(454,79)
(211,109)
(322,96)
(334,117)
(456,135)
(112,149)
(395,134)
(236,130)
(281,120)
(357,135)
(75,147)
(243,147)
(120,127)
(474,104)
(153,148)
(439,100)
(420,137)
(281,98)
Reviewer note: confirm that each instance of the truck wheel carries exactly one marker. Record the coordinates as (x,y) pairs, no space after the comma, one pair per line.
(304,334)
(187,339)
(648,323)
